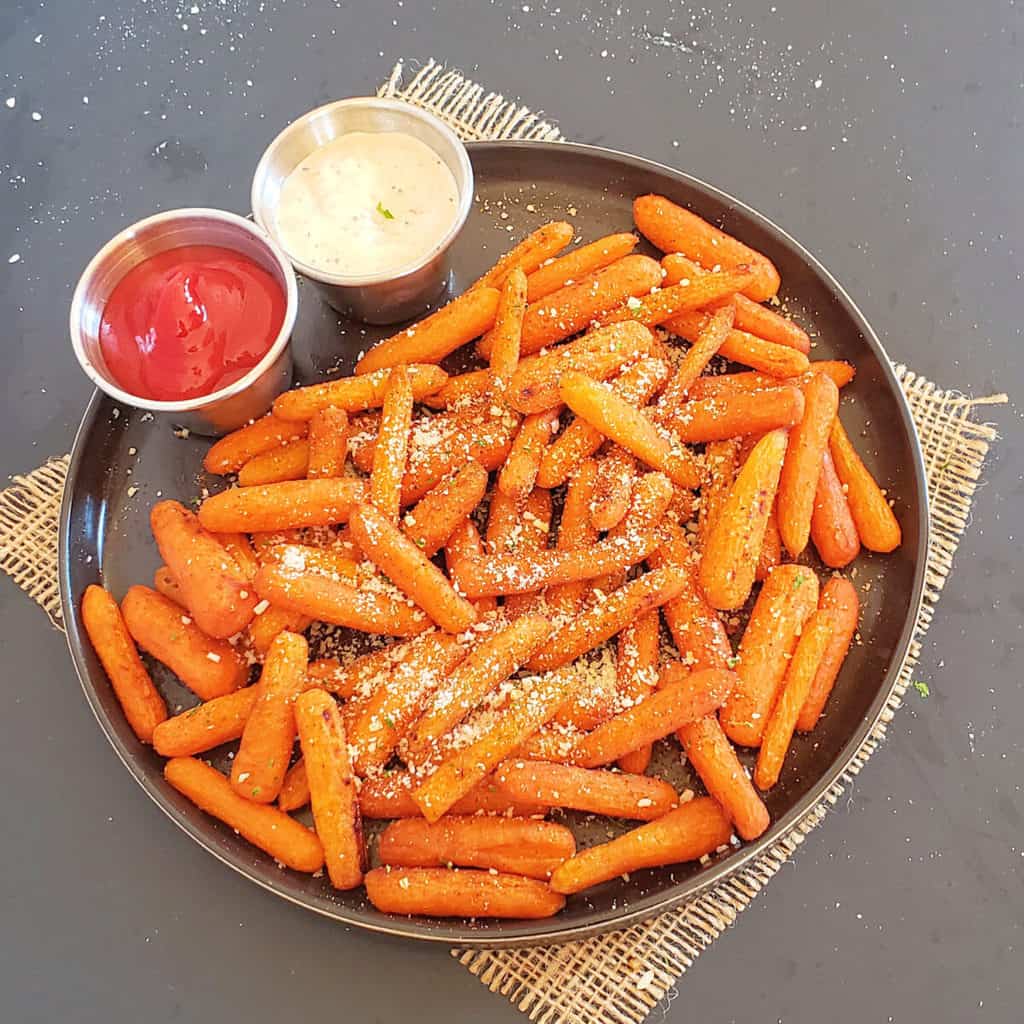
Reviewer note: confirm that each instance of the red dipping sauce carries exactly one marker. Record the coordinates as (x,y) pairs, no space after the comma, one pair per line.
(189,321)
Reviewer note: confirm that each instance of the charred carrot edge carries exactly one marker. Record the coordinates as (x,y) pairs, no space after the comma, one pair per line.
(518,475)
(839,597)
(283,506)
(770,554)
(833,530)
(438,335)
(636,385)
(209,668)
(533,534)
(529,254)
(294,793)
(328,442)
(778,733)
(729,560)
(627,426)
(391,451)
(234,450)
(877,525)
(485,667)
(463,545)
(578,263)
(410,570)
(216,590)
(339,604)
(268,737)
(571,309)
(288,462)
(270,829)
(711,338)
(615,476)
(683,697)
(506,335)
(529,708)
(787,598)
(574,532)
(207,725)
(390,796)
(636,669)
(332,787)
(355,394)
(594,790)
(802,466)
(380,722)
(464,892)
(672,228)
(720,467)
(461,391)
(139,699)
(165,583)
(601,621)
(697,828)
(515,845)
(736,414)
(710,387)
(599,353)
(436,515)
(661,305)
(714,759)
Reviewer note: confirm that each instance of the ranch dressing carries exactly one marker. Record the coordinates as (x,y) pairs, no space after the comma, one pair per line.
(367,203)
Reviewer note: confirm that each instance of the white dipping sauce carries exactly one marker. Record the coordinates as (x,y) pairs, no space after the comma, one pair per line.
(367,203)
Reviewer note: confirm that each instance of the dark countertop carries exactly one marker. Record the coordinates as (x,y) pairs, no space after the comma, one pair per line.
(889,142)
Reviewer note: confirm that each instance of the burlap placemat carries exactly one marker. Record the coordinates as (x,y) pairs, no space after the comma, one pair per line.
(620,977)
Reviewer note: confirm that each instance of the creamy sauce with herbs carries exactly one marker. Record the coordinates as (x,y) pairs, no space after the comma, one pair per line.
(367,203)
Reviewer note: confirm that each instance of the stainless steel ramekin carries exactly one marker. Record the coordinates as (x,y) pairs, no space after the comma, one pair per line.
(374,298)
(221,411)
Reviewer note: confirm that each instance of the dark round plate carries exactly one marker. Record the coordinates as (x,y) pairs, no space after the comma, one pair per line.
(124,461)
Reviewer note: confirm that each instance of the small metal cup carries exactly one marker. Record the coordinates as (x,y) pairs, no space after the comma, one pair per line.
(231,407)
(373,298)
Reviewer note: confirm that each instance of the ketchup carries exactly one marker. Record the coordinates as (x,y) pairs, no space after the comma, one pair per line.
(189,321)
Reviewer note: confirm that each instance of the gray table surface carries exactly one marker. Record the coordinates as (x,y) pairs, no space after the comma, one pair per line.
(889,142)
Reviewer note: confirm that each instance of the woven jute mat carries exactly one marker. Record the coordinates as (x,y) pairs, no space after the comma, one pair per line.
(620,977)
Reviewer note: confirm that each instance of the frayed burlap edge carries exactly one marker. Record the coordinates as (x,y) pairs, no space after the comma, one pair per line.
(620,977)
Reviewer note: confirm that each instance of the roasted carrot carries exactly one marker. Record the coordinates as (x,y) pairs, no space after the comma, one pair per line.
(530,706)
(614,478)
(282,506)
(599,353)
(832,527)
(877,526)
(628,426)
(674,229)
(532,533)
(577,264)
(328,442)
(787,598)
(442,892)
(410,570)
(778,733)
(241,549)
(233,451)
(165,583)
(770,554)
(461,391)
(572,308)
(507,333)
(391,450)
(802,466)
(636,669)
(697,828)
(390,796)
(839,597)
(720,468)
(269,735)
(736,414)
(712,336)
(294,793)
(729,562)
(139,698)
(332,787)
(516,845)
(355,394)
(529,254)
(270,829)
(208,667)
(574,532)
(307,558)
(439,512)
(438,335)
(519,473)
(286,462)
(207,725)
(216,591)
(463,545)
(340,604)
(710,387)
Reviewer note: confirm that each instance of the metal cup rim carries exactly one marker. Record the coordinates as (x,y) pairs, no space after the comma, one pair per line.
(236,387)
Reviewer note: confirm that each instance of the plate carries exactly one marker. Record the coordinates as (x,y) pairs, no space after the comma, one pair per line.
(123,462)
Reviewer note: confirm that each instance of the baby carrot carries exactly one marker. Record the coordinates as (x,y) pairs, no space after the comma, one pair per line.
(709,387)
(207,725)
(463,545)
(636,669)
(391,450)
(272,507)
(436,515)
(736,414)
(833,530)
(506,335)
(574,531)
(712,336)
(578,263)
(519,473)
(720,468)
(328,442)
(614,478)
(286,462)
(234,450)
(529,254)
(742,346)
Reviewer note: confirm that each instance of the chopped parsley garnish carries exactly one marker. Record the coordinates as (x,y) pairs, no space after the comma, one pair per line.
(798,580)
(923,689)
(384,211)
(389,721)
(733,661)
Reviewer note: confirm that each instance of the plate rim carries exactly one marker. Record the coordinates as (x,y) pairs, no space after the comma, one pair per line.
(518,934)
